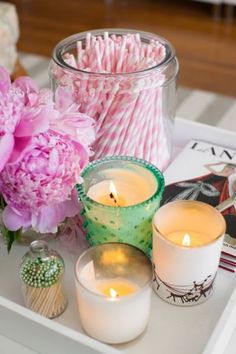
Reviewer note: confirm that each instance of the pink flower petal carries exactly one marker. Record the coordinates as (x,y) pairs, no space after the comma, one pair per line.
(5,81)
(69,207)
(79,125)
(49,218)
(83,154)
(21,146)
(6,148)
(70,120)
(63,98)
(45,221)
(33,122)
(14,221)
(26,84)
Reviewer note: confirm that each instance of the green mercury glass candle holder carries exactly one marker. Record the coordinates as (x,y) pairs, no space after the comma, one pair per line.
(120,195)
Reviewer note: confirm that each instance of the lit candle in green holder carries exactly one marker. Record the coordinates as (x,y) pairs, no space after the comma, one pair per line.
(120,195)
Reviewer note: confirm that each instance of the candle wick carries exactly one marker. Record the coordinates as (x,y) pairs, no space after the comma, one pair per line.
(111,195)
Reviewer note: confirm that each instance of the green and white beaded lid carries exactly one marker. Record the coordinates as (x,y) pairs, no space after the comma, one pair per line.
(41,267)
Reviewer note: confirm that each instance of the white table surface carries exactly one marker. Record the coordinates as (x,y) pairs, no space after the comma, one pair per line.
(171,330)
(8,346)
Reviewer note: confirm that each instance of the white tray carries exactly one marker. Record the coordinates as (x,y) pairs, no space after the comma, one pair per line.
(171,330)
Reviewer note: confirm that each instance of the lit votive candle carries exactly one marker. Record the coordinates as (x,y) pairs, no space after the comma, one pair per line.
(187,241)
(120,196)
(113,283)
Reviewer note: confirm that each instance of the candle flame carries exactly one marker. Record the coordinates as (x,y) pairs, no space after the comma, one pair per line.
(186,240)
(113,293)
(113,191)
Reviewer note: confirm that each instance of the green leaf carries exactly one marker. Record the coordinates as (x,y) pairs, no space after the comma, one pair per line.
(9,236)
(2,203)
(10,239)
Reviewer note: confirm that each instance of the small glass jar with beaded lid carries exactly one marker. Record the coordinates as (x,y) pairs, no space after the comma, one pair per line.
(41,274)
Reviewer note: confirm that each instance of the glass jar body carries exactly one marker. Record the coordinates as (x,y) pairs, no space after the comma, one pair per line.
(128,223)
(133,110)
(41,273)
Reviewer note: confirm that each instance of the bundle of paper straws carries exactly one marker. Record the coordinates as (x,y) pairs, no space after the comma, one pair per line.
(114,86)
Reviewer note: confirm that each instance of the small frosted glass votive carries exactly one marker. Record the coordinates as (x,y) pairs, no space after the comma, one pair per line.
(187,241)
(114,286)
(120,195)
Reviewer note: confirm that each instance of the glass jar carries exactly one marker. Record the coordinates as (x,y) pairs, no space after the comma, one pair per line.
(41,274)
(126,81)
(125,214)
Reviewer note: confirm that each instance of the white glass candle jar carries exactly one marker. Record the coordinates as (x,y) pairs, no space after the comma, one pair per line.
(187,240)
(113,283)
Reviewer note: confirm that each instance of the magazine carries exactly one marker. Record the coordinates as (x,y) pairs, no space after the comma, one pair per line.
(207,173)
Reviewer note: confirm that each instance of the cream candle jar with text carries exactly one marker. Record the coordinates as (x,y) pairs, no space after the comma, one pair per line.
(187,241)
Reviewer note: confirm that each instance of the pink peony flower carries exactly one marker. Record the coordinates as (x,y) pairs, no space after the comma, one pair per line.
(70,120)
(38,189)
(24,112)
(43,147)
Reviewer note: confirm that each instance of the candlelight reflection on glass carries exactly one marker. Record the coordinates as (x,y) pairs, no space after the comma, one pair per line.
(113,284)
(120,196)
(187,241)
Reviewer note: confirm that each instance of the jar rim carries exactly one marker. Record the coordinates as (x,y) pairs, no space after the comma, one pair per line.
(67,42)
(188,203)
(136,161)
(108,245)
(38,246)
